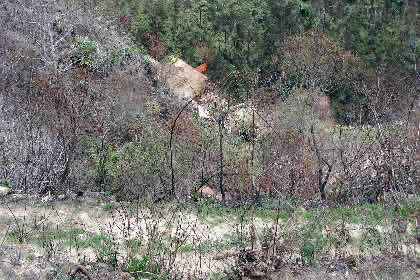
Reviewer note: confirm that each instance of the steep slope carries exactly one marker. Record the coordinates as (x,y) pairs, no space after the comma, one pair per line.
(69,72)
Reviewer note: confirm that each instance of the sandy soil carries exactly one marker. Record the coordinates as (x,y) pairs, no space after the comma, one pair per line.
(93,214)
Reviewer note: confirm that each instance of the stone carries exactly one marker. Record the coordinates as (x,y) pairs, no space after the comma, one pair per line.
(184,80)
(209,191)
(5,190)
(47,198)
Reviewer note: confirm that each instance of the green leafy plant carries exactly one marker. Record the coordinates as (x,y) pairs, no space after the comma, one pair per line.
(23,229)
(351,261)
(107,164)
(121,55)
(139,268)
(307,252)
(154,107)
(5,182)
(187,248)
(82,53)
(314,244)
(219,276)
(108,207)
(105,248)
(173,57)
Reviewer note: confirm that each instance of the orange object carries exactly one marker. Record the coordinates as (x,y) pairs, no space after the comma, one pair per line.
(202,67)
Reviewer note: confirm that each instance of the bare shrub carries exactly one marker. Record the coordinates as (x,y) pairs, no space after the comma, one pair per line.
(61,82)
(359,161)
(380,159)
(153,239)
(289,161)
(315,61)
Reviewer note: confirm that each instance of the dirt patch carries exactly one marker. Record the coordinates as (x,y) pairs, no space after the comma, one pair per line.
(92,218)
(373,269)
(87,230)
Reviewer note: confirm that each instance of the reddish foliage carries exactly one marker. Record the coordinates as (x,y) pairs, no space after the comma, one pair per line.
(155,46)
(206,52)
(127,23)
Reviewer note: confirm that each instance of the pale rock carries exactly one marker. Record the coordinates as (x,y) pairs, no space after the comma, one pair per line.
(209,191)
(5,190)
(203,113)
(47,198)
(184,81)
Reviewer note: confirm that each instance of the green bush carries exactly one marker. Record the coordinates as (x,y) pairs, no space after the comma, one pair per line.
(5,182)
(82,53)
(105,247)
(120,55)
(139,265)
(307,252)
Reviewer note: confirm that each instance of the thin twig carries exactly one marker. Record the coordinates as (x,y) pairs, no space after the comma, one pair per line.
(20,228)
(145,273)
(5,236)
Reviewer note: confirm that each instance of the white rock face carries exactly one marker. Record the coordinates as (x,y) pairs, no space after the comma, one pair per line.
(203,113)
(4,190)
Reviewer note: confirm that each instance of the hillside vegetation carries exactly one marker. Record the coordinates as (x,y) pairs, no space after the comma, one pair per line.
(301,152)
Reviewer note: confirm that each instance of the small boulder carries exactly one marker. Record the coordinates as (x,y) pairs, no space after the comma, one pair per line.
(47,198)
(5,190)
(209,191)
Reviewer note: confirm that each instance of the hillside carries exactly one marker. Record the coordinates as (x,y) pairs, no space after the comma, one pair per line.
(293,155)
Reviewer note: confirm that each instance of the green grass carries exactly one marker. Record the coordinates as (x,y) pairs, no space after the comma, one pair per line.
(135,245)
(51,232)
(272,214)
(187,248)
(219,276)
(94,240)
(207,210)
(29,257)
(51,236)
(308,215)
(215,221)
(338,221)
(225,244)
(376,213)
(315,231)
(104,246)
(215,246)
(109,207)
